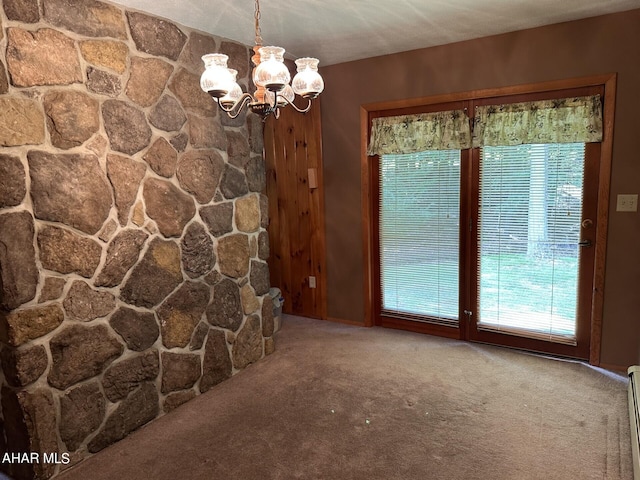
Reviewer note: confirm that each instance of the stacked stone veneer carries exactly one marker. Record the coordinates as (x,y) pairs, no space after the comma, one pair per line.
(132,228)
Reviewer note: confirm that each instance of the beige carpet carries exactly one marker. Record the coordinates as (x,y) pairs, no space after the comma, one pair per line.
(339,402)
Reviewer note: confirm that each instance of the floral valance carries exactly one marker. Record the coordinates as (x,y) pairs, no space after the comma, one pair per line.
(564,120)
(416,133)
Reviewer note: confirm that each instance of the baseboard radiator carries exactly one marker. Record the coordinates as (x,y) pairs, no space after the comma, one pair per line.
(634,417)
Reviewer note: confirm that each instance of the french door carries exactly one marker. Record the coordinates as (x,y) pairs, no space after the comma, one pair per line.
(532,246)
(491,244)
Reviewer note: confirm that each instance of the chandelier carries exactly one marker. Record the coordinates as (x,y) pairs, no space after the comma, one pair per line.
(271,78)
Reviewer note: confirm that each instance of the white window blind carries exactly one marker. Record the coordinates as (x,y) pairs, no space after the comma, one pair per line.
(529,229)
(419,233)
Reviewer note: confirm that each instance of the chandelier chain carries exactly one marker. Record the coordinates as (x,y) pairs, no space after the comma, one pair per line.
(258,40)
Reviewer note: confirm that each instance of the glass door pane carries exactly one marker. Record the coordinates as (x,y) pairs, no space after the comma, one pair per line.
(419,218)
(530,210)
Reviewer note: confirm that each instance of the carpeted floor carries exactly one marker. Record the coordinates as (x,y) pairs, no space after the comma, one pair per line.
(340,402)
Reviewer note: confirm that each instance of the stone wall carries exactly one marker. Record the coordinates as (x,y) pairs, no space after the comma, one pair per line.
(132,228)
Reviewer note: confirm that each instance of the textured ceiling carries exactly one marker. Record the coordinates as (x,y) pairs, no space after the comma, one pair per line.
(337,31)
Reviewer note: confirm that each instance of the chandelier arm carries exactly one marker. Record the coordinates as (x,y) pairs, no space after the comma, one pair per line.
(237,107)
(301,110)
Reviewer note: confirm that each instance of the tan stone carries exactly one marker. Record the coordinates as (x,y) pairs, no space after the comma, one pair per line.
(250,302)
(20,326)
(44,57)
(233,255)
(105,53)
(248,213)
(147,80)
(21,122)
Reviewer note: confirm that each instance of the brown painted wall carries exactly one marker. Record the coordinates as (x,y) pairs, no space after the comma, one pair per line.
(598,45)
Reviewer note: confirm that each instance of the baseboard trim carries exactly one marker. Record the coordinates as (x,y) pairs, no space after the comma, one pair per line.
(615,368)
(345,321)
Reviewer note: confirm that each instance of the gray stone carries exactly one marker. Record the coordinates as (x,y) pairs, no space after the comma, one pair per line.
(126,126)
(18,270)
(216,365)
(122,254)
(197,340)
(125,176)
(237,149)
(167,114)
(199,172)
(85,304)
(22,366)
(69,188)
(233,183)
(81,412)
(168,206)
(25,11)
(239,57)
(233,255)
(30,426)
(264,211)
(52,289)
(174,400)
(80,352)
(180,141)
(124,376)
(89,17)
(137,409)
(263,245)
(197,46)
(4,81)
(259,277)
(43,57)
(225,309)
(13,187)
(103,83)
(72,117)
(156,36)
(198,256)
(255,126)
(247,213)
(256,174)
(21,122)
(147,80)
(218,218)
(162,158)
(110,54)
(138,329)
(179,371)
(155,276)
(20,326)
(247,348)
(66,252)
(206,132)
(181,312)
(186,87)
(268,324)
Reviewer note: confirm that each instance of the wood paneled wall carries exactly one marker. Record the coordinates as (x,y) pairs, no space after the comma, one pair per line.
(293,155)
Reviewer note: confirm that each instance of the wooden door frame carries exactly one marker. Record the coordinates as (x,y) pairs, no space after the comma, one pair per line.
(370,110)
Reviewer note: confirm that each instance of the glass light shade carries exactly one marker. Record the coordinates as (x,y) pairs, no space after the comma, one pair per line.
(216,79)
(232,97)
(271,73)
(307,83)
(285,96)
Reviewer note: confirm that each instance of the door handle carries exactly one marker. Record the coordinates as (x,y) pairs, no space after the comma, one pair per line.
(585,243)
